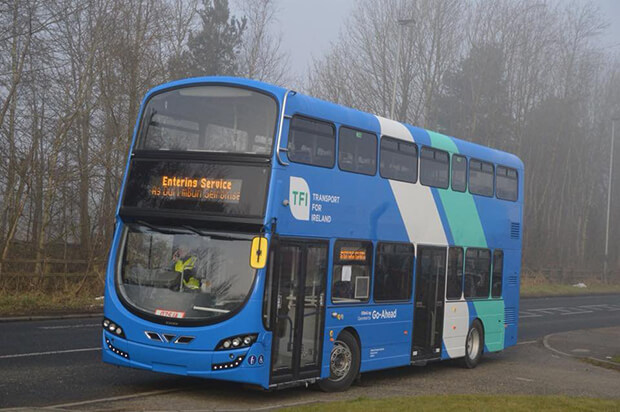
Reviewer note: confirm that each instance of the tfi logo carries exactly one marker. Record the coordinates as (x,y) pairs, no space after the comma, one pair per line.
(299,198)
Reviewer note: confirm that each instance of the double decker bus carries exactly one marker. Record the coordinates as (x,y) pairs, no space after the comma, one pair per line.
(275,239)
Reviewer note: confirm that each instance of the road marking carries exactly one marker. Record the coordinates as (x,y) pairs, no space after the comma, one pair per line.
(89,325)
(118,398)
(568,310)
(578,312)
(53,352)
(524,379)
(527,314)
(527,342)
(547,311)
(605,306)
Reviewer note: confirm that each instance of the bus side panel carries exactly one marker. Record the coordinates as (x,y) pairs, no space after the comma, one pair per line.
(384,332)
(455,326)
(512,270)
(491,314)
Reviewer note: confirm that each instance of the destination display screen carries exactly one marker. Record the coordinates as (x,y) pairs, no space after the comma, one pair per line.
(352,252)
(237,190)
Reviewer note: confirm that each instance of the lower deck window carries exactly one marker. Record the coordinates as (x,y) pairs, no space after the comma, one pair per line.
(477,273)
(498,273)
(454,288)
(351,276)
(393,272)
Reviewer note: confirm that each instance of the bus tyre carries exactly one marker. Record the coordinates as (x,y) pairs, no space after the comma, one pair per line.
(344,364)
(474,344)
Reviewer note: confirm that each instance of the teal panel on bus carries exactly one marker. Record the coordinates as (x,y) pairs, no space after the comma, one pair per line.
(491,313)
(460,208)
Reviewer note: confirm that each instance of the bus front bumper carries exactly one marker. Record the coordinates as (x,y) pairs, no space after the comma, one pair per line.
(247,365)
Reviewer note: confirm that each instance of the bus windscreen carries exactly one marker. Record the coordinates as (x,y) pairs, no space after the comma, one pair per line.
(172,272)
(217,119)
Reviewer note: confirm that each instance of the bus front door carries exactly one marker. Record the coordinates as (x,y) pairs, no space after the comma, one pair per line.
(429,303)
(298,316)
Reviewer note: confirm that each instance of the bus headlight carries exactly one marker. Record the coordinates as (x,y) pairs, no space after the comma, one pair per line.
(236,342)
(113,328)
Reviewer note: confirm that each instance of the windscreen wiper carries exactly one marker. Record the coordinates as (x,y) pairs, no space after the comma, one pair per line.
(216,235)
(167,231)
(185,228)
(202,308)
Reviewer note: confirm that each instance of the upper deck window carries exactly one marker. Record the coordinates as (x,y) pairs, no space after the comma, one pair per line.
(434,167)
(480,178)
(399,160)
(459,173)
(507,183)
(311,142)
(209,119)
(357,151)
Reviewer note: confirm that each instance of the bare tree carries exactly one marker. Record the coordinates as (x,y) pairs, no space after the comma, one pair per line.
(524,76)
(261,56)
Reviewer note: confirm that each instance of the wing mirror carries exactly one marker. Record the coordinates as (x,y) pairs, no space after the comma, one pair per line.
(258,252)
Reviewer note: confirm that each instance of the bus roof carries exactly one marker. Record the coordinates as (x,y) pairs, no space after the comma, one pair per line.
(343,115)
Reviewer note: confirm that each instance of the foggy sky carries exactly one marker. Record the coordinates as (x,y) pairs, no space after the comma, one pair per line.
(308,27)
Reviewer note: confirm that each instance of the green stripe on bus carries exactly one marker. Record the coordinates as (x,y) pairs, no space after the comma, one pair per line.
(461,212)
(491,313)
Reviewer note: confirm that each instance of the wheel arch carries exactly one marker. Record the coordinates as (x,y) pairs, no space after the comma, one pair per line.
(356,335)
(483,332)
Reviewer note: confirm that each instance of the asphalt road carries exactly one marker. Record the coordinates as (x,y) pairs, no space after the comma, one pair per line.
(58,361)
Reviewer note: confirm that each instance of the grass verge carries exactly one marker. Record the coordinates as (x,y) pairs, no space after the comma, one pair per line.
(606,364)
(538,286)
(41,303)
(466,403)
(64,297)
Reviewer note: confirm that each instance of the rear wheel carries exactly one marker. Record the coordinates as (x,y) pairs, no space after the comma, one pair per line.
(344,364)
(474,344)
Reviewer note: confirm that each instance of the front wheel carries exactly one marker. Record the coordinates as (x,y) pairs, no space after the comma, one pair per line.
(344,364)
(474,344)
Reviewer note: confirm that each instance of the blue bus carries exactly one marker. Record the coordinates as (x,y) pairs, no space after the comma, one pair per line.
(275,239)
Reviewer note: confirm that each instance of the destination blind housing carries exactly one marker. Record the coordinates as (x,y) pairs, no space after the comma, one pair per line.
(212,188)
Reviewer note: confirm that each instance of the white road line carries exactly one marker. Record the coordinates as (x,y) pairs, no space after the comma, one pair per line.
(118,398)
(581,312)
(88,325)
(527,342)
(524,379)
(567,310)
(53,352)
(547,311)
(526,314)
